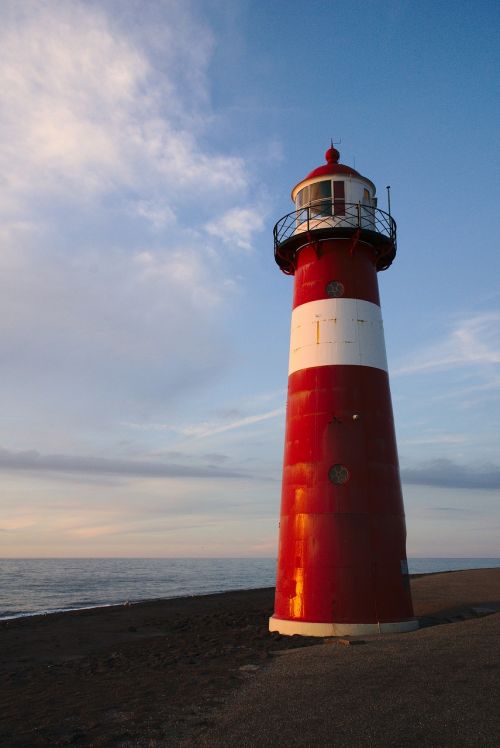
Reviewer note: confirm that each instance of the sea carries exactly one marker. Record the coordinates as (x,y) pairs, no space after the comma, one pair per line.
(52,585)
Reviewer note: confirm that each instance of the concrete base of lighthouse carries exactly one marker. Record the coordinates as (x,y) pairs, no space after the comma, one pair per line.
(306,628)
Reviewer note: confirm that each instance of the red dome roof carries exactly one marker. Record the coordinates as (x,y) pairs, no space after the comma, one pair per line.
(329,169)
(332,166)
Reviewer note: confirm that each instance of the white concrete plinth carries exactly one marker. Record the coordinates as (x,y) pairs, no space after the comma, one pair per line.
(306,628)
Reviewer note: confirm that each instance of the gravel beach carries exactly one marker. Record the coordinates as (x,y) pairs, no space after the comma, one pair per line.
(205,671)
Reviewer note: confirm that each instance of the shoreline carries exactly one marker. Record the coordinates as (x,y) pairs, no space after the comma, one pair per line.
(152,600)
(128,603)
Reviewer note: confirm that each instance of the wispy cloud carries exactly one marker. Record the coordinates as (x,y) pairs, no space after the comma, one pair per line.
(85,109)
(452,509)
(237,226)
(433,439)
(110,287)
(157,213)
(202,430)
(206,428)
(472,342)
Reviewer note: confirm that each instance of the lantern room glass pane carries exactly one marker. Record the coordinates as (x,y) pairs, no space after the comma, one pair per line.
(320,198)
(302,198)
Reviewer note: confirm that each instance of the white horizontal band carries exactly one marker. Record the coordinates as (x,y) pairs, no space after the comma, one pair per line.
(337,331)
(304,628)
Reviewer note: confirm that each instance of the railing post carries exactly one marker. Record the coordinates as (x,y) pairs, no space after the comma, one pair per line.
(359,214)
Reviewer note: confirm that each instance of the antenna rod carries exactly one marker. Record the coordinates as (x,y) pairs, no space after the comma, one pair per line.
(388,188)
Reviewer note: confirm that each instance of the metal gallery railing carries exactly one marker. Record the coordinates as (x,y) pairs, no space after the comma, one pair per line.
(327,215)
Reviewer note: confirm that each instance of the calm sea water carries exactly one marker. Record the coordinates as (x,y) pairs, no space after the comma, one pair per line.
(29,586)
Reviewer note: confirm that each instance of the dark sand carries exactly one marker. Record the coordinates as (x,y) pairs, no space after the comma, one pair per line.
(204,671)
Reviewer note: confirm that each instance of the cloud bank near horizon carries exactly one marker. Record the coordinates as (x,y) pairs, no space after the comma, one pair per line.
(35,462)
(439,473)
(445,473)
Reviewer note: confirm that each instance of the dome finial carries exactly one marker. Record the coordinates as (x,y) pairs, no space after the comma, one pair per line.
(332,155)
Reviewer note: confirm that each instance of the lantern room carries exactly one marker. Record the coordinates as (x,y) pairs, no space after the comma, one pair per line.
(334,201)
(328,188)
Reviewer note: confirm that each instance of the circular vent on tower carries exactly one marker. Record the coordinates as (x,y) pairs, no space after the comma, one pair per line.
(334,289)
(338,474)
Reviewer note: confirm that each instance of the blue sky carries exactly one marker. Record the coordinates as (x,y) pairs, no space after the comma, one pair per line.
(147,149)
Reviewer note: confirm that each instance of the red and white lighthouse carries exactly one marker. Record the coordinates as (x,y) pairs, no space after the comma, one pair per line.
(342,565)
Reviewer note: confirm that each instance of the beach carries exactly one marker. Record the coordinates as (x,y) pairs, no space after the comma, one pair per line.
(205,671)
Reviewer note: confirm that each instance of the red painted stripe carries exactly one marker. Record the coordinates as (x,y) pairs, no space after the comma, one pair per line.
(341,545)
(344,260)
(321,431)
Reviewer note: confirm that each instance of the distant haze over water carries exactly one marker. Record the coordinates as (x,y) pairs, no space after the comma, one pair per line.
(29,586)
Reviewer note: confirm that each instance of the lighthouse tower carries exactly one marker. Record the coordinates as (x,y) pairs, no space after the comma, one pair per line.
(342,567)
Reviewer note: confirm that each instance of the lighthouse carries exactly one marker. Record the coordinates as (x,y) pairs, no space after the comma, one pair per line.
(342,567)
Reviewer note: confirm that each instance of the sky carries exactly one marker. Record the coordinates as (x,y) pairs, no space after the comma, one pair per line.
(146,151)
